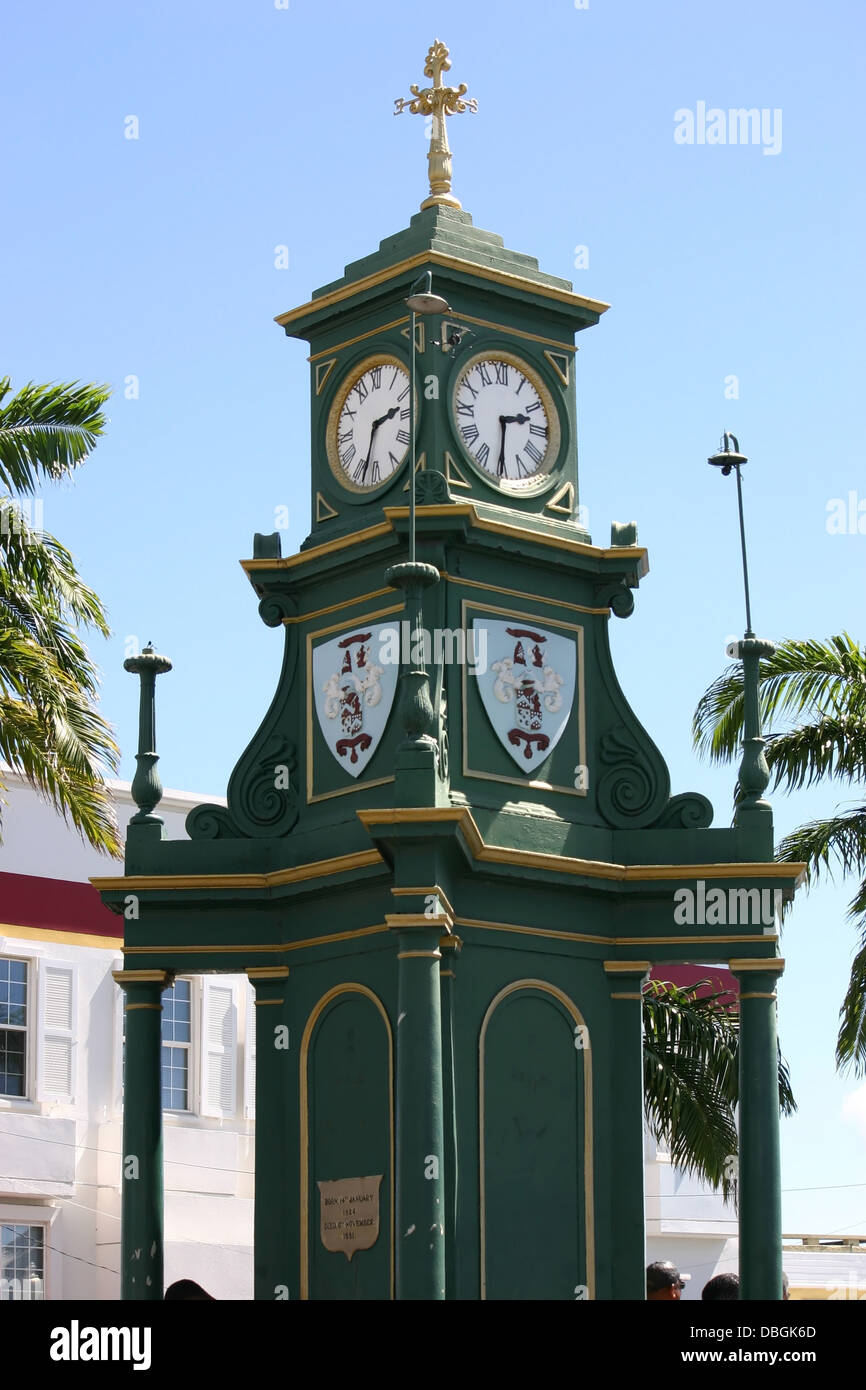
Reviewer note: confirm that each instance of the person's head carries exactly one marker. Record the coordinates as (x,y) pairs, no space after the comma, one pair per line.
(722,1288)
(188,1290)
(786,1291)
(664,1282)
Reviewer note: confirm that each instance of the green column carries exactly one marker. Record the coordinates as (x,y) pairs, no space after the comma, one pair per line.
(759,1175)
(277,1181)
(141,1227)
(628,1229)
(447,975)
(421,1198)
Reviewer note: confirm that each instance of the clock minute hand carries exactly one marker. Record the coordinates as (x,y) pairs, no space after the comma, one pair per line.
(395,409)
(500,466)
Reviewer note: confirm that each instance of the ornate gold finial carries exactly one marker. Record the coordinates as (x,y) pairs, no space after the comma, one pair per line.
(437,101)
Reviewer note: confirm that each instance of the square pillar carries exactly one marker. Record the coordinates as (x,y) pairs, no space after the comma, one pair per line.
(627,1222)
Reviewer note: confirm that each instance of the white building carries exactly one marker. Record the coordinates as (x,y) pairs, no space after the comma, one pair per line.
(61,1050)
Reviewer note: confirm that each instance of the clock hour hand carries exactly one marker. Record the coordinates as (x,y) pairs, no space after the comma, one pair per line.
(514,419)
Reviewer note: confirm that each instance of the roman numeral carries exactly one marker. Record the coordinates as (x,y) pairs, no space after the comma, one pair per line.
(486,379)
(404,414)
(538,429)
(347,456)
(394,378)
(522,470)
(376,374)
(534,453)
(469,387)
(466,408)
(521,386)
(403,394)
(402,437)
(360,469)
(536,405)
(361,388)
(483,455)
(395,462)
(344,439)
(374,476)
(346,411)
(501,370)
(470,433)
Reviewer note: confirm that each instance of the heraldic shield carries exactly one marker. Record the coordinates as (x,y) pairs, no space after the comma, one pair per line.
(353,692)
(528,687)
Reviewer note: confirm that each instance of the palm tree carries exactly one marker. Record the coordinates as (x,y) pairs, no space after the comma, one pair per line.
(691,1079)
(819,690)
(50,730)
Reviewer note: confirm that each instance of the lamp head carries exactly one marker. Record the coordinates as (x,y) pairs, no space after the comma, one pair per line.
(424,301)
(728,457)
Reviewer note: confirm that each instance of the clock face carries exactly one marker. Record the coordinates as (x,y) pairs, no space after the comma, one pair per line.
(368,427)
(506,421)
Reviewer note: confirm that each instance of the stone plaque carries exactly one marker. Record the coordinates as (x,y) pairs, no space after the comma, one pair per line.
(350,1214)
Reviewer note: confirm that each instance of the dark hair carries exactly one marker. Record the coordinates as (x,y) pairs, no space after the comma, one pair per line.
(190,1290)
(722,1288)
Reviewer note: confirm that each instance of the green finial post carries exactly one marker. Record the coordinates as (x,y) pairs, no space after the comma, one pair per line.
(146,786)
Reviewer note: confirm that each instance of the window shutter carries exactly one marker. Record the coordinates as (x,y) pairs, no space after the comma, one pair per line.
(219,1050)
(57,1016)
(250,1055)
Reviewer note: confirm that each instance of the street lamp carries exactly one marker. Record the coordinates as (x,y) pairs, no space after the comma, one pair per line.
(754,774)
(419,717)
(424,302)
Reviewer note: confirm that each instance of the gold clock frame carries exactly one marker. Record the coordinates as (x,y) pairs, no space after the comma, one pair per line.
(383,359)
(512,487)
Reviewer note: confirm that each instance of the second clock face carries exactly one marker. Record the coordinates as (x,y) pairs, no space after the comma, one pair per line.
(368,427)
(506,420)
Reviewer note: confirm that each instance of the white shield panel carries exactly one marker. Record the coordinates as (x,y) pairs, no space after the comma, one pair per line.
(353,691)
(528,687)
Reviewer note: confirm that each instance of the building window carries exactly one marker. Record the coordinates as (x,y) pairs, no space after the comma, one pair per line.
(22,1262)
(176,1038)
(13,1028)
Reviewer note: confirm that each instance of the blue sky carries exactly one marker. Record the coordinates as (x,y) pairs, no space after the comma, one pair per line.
(261,126)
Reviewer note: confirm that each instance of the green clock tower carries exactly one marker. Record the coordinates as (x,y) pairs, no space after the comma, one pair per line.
(451,853)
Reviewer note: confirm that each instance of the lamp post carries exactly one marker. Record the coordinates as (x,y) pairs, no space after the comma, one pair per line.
(420,301)
(419,719)
(760,1198)
(754,774)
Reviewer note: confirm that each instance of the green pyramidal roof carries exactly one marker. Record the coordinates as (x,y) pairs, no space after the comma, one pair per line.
(450,232)
(445,237)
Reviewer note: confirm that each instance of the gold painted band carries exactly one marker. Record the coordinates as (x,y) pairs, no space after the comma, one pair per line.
(775,964)
(626,996)
(263,1003)
(756,994)
(130,1007)
(408,955)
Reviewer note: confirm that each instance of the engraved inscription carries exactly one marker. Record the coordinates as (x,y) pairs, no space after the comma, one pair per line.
(349,1214)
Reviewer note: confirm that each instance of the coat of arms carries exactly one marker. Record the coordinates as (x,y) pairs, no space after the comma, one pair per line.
(528,688)
(353,693)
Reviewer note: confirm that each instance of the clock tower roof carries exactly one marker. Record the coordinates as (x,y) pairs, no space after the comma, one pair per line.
(443,238)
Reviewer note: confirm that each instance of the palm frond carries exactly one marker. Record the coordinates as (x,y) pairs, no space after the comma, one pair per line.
(47,430)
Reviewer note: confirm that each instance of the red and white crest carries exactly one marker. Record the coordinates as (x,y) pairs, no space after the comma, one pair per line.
(353,693)
(528,689)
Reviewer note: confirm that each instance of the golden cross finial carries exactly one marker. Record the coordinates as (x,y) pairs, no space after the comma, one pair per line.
(437,101)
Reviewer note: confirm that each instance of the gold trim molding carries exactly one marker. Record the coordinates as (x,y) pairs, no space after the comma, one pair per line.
(427,258)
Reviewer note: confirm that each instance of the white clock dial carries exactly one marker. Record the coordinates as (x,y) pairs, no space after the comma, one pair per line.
(504,419)
(369,428)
